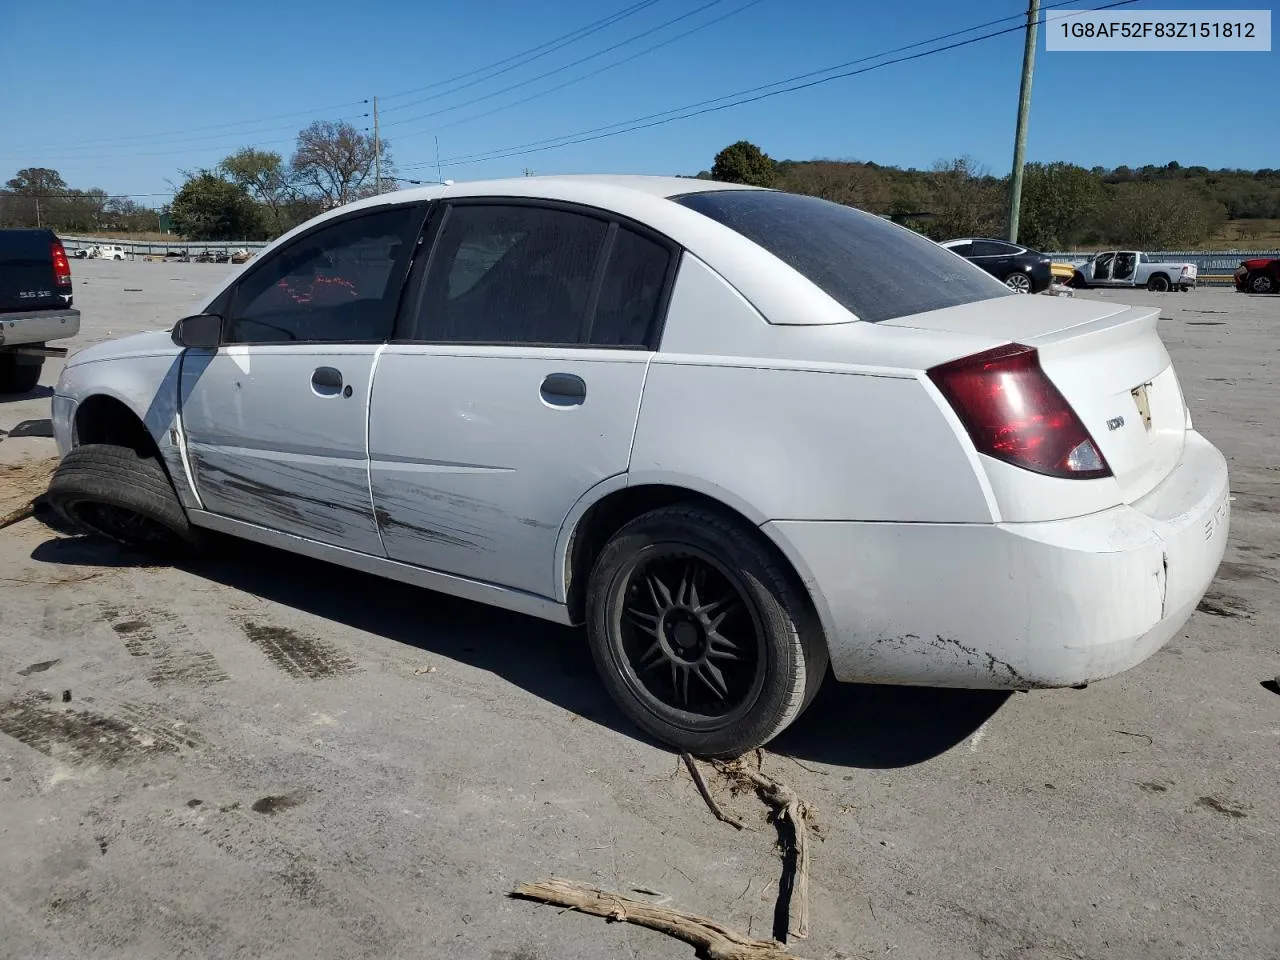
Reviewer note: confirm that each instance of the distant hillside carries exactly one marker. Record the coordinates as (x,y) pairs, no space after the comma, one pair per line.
(1064,206)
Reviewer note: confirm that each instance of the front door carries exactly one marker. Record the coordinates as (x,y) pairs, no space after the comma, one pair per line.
(276,419)
(515,388)
(1101,269)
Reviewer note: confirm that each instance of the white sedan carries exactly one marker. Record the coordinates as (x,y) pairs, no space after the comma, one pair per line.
(738,433)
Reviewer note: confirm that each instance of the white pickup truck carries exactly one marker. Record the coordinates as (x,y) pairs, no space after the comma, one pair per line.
(1133,268)
(35,305)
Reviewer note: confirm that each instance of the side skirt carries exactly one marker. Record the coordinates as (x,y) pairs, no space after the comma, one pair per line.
(490,594)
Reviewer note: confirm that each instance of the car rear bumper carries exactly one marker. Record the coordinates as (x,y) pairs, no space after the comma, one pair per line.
(39,326)
(1016,605)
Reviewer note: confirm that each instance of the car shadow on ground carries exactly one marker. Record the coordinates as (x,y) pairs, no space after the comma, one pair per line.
(853,725)
(32,428)
(33,394)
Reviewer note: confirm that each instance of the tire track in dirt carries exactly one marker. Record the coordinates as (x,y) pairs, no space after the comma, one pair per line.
(163,636)
(83,736)
(301,656)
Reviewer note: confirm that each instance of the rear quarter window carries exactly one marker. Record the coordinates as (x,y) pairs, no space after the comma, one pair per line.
(875,269)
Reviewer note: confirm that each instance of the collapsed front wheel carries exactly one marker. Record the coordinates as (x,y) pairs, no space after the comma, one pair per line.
(126,496)
(700,632)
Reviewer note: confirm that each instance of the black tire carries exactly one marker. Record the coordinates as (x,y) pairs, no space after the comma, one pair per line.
(1019,282)
(769,671)
(1260,283)
(1158,283)
(19,374)
(1078,281)
(126,496)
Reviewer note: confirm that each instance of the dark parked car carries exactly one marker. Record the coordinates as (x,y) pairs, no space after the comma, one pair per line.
(1020,268)
(1261,275)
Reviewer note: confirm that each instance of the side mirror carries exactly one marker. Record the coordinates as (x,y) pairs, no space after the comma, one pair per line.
(203,331)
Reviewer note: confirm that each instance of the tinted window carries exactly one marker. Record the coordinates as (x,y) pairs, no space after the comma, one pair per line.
(509,274)
(338,284)
(964,249)
(991,248)
(874,268)
(631,291)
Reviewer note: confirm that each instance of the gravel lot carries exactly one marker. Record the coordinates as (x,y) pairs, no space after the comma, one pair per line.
(267,757)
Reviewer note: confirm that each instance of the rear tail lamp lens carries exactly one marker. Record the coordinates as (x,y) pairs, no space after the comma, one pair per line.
(61,265)
(1013,412)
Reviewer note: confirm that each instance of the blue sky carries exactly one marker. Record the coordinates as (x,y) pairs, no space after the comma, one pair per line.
(124,95)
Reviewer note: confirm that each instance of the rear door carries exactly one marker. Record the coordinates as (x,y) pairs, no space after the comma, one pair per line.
(26,271)
(1124,268)
(276,419)
(513,386)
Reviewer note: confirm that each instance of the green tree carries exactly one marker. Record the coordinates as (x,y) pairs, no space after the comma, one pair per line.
(1059,204)
(207,207)
(744,162)
(1150,216)
(267,179)
(965,201)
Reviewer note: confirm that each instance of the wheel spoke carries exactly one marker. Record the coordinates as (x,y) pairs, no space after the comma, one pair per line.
(647,622)
(721,647)
(686,584)
(650,658)
(710,675)
(680,681)
(705,610)
(658,589)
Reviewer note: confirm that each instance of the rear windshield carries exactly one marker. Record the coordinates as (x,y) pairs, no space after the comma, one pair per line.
(28,245)
(874,268)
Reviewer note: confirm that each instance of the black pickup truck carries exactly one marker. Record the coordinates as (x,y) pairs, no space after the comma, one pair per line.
(35,305)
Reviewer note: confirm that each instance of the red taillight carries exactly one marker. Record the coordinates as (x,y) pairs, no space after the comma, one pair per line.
(61,265)
(1013,412)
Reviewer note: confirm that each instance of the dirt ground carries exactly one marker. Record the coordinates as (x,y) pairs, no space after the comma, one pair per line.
(263,756)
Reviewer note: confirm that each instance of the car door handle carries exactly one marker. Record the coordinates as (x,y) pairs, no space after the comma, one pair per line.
(326,381)
(563,389)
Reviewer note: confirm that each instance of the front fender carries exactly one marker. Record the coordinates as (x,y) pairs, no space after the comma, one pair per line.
(147,386)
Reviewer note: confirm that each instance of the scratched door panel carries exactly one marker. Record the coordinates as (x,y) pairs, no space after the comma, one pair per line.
(269,446)
(475,464)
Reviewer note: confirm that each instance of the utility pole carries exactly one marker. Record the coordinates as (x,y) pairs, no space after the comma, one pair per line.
(1024,108)
(38,223)
(377,150)
(437,139)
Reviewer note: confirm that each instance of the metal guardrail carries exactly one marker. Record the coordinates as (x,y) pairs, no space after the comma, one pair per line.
(150,248)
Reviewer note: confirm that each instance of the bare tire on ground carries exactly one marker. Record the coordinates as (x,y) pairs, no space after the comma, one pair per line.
(19,374)
(118,493)
(1158,282)
(701,632)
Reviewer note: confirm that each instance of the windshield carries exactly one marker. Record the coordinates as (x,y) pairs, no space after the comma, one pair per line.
(875,269)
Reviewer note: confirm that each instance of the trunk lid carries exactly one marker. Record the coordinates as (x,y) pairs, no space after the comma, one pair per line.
(27,280)
(1107,359)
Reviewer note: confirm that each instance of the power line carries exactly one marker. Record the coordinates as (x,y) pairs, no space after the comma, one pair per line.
(215,126)
(15,195)
(526,56)
(741,97)
(543,76)
(593,73)
(220,137)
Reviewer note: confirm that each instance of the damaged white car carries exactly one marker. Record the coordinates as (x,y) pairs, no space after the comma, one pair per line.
(737,433)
